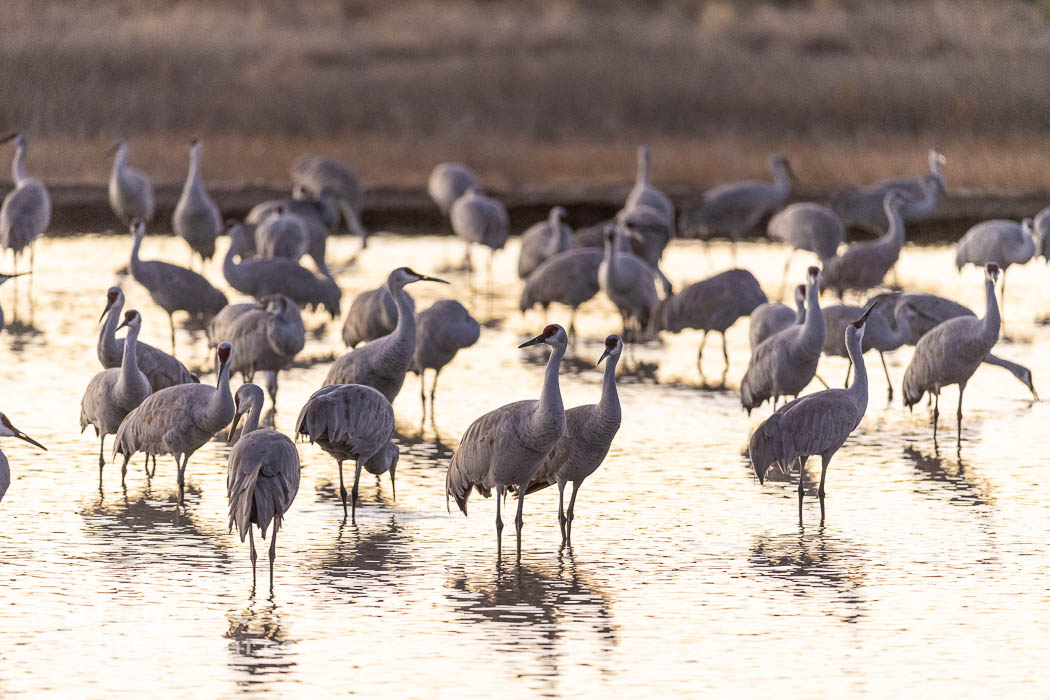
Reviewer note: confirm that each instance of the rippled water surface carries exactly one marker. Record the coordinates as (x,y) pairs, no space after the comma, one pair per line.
(930,574)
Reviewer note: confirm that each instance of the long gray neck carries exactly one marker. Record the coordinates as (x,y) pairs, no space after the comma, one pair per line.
(120,160)
(609,404)
(107,339)
(220,406)
(782,180)
(900,336)
(18,165)
(990,326)
(800,310)
(930,193)
(550,409)
(858,390)
(129,366)
(193,176)
(642,175)
(251,423)
(398,351)
(136,268)
(233,272)
(812,335)
(895,233)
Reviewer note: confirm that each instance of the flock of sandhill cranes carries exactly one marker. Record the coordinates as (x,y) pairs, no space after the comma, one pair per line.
(152,404)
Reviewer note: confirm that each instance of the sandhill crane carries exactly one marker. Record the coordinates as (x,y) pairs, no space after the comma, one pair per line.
(442,330)
(477,218)
(863,265)
(935,310)
(507,446)
(998,241)
(179,420)
(372,315)
(161,369)
(543,241)
(448,182)
(317,173)
(785,363)
(737,208)
(647,226)
(879,334)
(130,191)
(196,217)
(171,287)
(713,304)
(589,432)
(114,393)
(4,278)
(817,424)
(26,210)
(628,281)
(952,351)
(281,235)
(348,421)
(862,206)
(807,226)
(382,363)
(569,278)
(265,338)
(8,430)
(1041,225)
(318,214)
(644,194)
(264,277)
(772,317)
(262,476)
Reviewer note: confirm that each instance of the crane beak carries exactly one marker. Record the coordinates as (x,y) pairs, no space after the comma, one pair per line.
(122,323)
(604,355)
(109,305)
(859,323)
(233,426)
(535,341)
(424,278)
(22,436)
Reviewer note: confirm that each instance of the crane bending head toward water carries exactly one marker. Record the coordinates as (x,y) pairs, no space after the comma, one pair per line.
(817,424)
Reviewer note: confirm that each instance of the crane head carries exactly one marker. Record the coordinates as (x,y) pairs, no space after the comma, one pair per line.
(137,227)
(224,353)
(112,295)
(991,272)
(552,335)
(15,136)
(406,275)
(613,347)
(859,323)
(779,161)
(132,318)
(8,430)
(813,275)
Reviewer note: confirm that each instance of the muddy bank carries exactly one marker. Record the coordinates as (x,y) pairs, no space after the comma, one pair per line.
(83,207)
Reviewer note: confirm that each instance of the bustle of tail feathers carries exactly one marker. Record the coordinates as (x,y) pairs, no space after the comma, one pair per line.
(908,390)
(763,449)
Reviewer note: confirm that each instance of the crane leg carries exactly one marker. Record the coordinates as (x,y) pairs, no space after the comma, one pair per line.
(889,383)
(801,484)
(849,371)
(561,510)
(572,509)
(423,391)
(572,325)
(393,486)
(342,489)
(182,475)
(171,323)
(725,351)
(783,281)
(466,259)
(936,412)
(146,465)
(254,556)
(825,460)
(273,547)
(353,491)
(499,520)
(518,520)
(700,352)
(433,390)
(958,412)
(101,457)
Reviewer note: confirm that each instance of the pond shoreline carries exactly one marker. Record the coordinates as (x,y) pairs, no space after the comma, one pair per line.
(79,207)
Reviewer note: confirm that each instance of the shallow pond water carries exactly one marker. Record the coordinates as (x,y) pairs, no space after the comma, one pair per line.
(929,575)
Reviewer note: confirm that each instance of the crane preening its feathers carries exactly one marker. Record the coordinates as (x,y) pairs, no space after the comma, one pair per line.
(817,424)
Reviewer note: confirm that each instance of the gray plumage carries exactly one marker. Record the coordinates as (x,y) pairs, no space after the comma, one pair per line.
(319,215)
(196,217)
(643,194)
(569,278)
(772,317)
(713,304)
(1041,224)
(818,424)
(442,330)
(317,173)
(179,420)
(648,226)
(589,432)
(265,337)
(171,287)
(543,241)
(372,315)
(265,277)
(262,474)
(161,369)
(628,281)
(281,234)
(998,241)
(8,430)
(479,219)
(382,363)
(4,278)
(130,191)
(348,421)
(786,362)
(862,206)
(114,393)
(808,226)
(737,208)
(934,310)
(952,351)
(450,181)
(864,265)
(26,210)
(507,446)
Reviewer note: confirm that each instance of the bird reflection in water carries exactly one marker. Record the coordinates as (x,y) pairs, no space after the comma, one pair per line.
(814,564)
(358,563)
(534,606)
(962,488)
(259,644)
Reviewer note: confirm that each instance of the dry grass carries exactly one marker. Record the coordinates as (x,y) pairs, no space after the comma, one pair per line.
(535,91)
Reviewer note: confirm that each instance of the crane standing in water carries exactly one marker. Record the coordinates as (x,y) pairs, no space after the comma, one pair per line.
(26,210)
